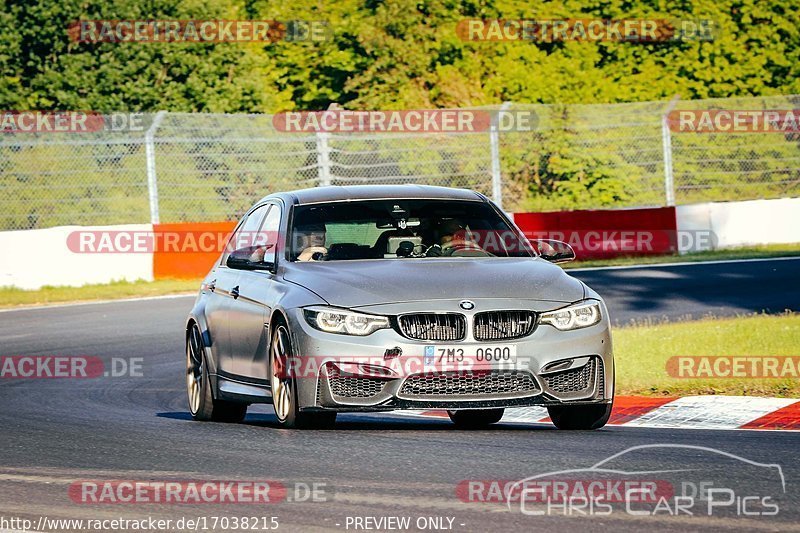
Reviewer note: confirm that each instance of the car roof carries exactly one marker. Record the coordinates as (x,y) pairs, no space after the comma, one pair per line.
(339,193)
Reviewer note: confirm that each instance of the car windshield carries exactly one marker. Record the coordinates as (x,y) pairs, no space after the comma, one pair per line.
(402,229)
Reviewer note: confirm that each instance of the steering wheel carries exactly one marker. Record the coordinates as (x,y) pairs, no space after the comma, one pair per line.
(462,248)
(313,253)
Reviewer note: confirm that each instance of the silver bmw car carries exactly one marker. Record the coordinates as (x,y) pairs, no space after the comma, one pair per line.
(376,298)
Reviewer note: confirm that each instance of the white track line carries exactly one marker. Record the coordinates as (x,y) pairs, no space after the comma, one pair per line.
(684,263)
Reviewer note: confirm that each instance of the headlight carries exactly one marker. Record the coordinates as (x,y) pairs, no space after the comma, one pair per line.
(334,320)
(573,317)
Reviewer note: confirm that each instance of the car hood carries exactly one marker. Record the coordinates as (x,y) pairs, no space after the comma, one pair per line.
(371,282)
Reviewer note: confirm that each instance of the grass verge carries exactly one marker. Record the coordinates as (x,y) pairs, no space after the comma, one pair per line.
(642,351)
(13,297)
(750,252)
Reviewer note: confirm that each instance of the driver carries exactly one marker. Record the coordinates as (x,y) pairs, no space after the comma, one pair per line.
(311,239)
(450,232)
(453,236)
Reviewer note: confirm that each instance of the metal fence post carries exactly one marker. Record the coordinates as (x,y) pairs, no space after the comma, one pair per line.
(324,154)
(666,142)
(150,154)
(323,159)
(494,145)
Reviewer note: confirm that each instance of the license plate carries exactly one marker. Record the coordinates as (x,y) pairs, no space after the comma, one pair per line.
(471,356)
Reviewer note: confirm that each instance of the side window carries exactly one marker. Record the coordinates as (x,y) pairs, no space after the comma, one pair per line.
(270,232)
(247,232)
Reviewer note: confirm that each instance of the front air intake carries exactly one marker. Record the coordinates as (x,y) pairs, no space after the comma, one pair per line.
(504,325)
(433,326)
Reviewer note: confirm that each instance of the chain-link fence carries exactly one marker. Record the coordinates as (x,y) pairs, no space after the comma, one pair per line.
(724,166)
(205,167)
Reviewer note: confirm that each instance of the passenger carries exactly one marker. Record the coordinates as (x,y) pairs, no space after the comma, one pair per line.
(311,239)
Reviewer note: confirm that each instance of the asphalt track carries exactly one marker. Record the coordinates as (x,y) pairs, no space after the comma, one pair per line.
(694,290)
(55,432)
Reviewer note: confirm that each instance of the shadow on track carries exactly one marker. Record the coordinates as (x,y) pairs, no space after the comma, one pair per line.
(372,422)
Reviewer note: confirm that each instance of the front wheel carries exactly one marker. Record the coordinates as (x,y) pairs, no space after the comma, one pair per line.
(580,416)
(202,404)
(475,418)
(284,387)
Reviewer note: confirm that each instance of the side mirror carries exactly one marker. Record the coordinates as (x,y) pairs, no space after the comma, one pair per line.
(250,258)
(553,251)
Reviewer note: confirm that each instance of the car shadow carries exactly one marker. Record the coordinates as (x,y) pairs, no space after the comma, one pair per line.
(372,422)
(175,415)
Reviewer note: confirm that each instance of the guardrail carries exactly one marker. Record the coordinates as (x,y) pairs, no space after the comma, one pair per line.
(78,255)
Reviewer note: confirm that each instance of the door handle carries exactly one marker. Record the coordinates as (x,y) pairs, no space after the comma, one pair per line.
(235,292)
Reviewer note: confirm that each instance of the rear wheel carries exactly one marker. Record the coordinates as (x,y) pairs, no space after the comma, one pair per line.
(580,416)
(475,418)
(284,387)
(202,404)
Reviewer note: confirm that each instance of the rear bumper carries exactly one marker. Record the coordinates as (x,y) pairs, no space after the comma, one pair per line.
(350,373)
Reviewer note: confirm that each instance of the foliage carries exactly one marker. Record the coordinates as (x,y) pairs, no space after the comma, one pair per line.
(389,54)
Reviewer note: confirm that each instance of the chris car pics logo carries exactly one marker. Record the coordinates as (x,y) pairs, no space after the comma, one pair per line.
(668,480)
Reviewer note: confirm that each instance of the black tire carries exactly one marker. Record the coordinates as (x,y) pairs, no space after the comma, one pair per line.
(475,418)
(284,387)
(580,416)
(202,404)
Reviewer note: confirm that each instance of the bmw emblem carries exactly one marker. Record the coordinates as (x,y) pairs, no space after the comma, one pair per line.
(466,305)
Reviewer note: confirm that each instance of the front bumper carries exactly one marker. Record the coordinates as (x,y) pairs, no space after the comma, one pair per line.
(351,373)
